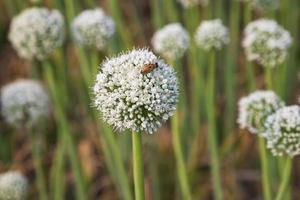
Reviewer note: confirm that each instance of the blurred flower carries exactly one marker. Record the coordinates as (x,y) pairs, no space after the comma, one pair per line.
(266,4)
(136,91)
(92,28)
(211,34)
(24,101)
(283,131)
(171,41)
(13,186)
(255,108)
(36,32)
(190,3)
(266,42)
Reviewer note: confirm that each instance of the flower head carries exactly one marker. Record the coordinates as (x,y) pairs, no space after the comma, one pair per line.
(255,108)
(36,32)
(136,91)
(211,34)
(283,131)
(93,28)
(266,42)
(13,186)
(24,101)
(171,41)
(265,4)
(191,3)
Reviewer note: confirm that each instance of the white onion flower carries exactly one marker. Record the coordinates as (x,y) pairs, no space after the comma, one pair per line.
(266,4)
(171,41)
(13,186)
(255,108)
(24,102)
(211,34)
(283,131)
(266,42)
(136,91)
(93,28)
(191,3)
(36,32)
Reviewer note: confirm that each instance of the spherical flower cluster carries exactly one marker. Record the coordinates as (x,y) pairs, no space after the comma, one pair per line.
(171,41)
(190,3)
(283,131)
(13,186)
(36,32)
(266,42)
(24,102)
(211,34)
(93,28)
(265,4)
(255,108)
(136,91)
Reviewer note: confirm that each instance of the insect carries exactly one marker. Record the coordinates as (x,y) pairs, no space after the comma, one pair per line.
(148,68)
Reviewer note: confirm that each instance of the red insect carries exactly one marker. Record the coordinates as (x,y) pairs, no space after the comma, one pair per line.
(148,68)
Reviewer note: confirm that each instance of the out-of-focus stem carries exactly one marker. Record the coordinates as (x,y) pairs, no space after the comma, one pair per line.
(212,132)
(284,185)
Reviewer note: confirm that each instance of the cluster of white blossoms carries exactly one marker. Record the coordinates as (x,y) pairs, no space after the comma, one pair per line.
(36,32)
(93,28)
(136,91)
(266,42)
(265,4)
(24,102)
(211,34)
(171,41)
(283,131)
(255,108)
(191,3)
(13,186)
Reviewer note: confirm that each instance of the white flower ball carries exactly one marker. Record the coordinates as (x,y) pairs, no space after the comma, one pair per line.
(266,4)
(13,186)
(171,41)
(191,3)
(266,42)
(136,91)
(24,102)
(211,34)
(36,32)
(283,131)
(255,108)
(93,29)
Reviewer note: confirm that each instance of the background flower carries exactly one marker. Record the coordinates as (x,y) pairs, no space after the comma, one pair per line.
(191,3)
(24,101)
(92,28)
(266,42)
(255,108)
(13,186)
(283,131)
(211,34)
(36,32)
(129,99)
(171,41)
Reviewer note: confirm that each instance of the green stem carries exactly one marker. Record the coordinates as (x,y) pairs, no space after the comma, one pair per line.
(37,160)
(284,185)
(212,134)
(138,166)
(65,131)
(269,77)
(181,168)
(265,170)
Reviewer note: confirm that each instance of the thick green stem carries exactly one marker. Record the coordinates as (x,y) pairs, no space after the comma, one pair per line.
(284,185)
(138,166)
(212,133)
(181,168)
(37,160)
(269,77)
(265,170)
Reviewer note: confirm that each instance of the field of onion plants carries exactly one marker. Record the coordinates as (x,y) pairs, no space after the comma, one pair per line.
(149,99)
